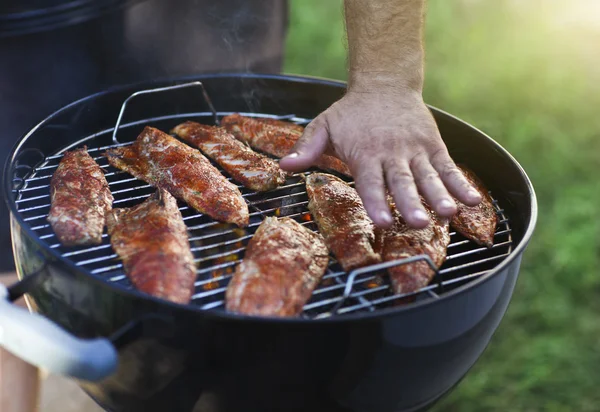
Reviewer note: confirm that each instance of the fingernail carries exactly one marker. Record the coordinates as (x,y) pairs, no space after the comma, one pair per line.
(385,217)
(473,194)
(420,216)
(292,155)
(446,204)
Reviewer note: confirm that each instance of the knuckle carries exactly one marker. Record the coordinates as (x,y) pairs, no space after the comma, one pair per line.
(368,179)
(428,179)
(311,127)
(400,177)
(416,160)
(441,156)
(451,172)
(317,123)
(445,166)
(308,131)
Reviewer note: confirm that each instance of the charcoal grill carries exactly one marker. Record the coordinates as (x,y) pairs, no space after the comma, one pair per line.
(470,290)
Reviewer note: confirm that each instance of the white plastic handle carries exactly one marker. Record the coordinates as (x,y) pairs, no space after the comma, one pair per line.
(40,342)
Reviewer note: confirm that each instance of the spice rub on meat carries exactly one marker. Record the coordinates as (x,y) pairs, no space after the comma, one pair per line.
(274,139)
(477,223)
(282,123)
(79,200)
(165,162)
(401,241)
(254,170)
(283,263)
(152,241)
(342,220)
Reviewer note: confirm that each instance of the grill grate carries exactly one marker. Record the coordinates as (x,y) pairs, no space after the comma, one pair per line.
(218,247)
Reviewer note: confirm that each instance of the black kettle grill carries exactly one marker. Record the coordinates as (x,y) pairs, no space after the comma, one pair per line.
(356,346)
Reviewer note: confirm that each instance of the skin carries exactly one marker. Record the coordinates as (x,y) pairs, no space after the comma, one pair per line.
(381,128)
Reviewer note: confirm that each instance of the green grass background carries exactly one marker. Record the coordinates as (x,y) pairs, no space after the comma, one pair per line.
(525,72)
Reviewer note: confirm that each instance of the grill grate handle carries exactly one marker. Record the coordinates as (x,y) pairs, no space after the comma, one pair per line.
(377,267)
(159,90)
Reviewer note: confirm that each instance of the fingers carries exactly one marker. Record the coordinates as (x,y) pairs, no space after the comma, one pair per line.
(454,180)
(308,148)
(401,183)
(431,187)
(370,186)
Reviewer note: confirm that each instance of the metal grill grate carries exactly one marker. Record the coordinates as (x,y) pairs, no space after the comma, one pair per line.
(218,247)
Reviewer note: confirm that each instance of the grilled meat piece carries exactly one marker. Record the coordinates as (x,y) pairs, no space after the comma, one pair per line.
(282,123)
(342,220)
(79,200)
(477,223)
(401,241)
(283,263)
(253,170)
(274,139)
(165,162)
(151,238)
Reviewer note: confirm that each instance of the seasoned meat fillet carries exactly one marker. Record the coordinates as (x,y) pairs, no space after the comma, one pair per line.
(477,223)
(79,200)
(253,170)
(283,263)
(282,123)
(165,162)
(151,239)
(342,220)
(401,241)
(274,139)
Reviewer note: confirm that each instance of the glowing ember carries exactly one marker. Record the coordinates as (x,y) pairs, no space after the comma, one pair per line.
(230,258)
(239,232)
(214,284)
(375,282)
(277,212)
(306,217)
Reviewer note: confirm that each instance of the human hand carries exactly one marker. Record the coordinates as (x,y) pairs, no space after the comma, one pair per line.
(387,138)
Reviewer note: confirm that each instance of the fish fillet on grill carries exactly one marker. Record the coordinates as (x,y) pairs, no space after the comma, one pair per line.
(152,241)
(342,219)
(79,200)
(477,223)
(401,241)
(253,170)
(274,139)
(165,162)
(283,263)
(282,123)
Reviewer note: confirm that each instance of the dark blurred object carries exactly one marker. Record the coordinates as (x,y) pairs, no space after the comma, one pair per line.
(25,17)
(54,52)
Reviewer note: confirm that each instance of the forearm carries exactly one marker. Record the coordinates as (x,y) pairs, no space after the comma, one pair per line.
(385,44)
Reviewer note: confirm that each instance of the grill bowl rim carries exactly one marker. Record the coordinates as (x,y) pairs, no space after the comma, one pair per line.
(9,198)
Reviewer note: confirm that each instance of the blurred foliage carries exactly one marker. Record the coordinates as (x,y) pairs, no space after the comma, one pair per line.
(526,73)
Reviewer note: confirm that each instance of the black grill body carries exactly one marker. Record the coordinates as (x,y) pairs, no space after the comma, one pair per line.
(184,358)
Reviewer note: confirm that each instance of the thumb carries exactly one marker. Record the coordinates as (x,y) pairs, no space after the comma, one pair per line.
(309,147)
